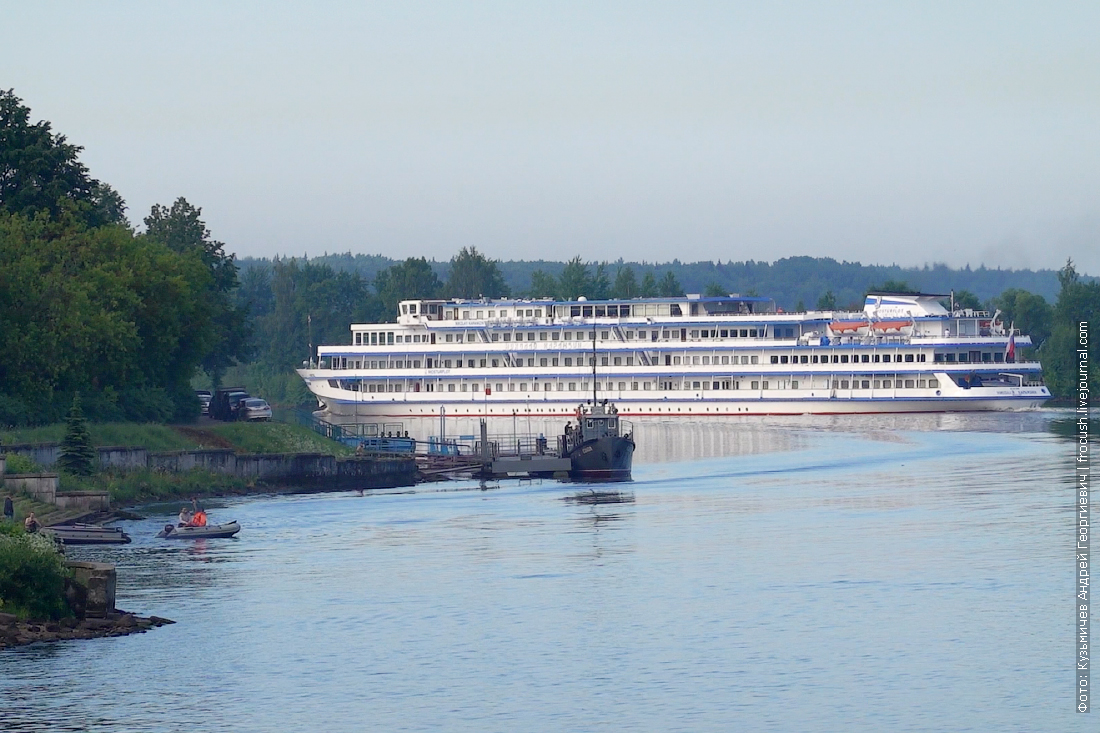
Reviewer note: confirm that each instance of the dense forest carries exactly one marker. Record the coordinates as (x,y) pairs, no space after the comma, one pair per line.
(134,319)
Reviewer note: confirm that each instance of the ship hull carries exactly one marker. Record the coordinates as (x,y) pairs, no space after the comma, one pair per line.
(603,459)
(976,400)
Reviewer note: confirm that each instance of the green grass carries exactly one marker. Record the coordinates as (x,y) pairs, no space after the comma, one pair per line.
(276,437)
(151,436)
(134,487)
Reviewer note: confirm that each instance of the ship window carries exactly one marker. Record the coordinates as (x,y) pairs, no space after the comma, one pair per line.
(865,358)
(629,335)
(886,358)
(464,388)
(865,384)
(642,335)
(496,363)
(843,358)
(753,332)
(622,386)
(470,364)
(495,337)
(538,312)
(794,384)
(886,383)
(813,359)
(530,335)
(775,359)
(554,361)
(471,337)
(530,362)
(923,357)
(951,357)
(568,361)
(783,360)
(572,386)
(909,357)
(507,337)
(752,360)
(844,384)
(465,315)
(450,387)
(586,311)
(446,363)
(618,361)
(555,336)
(450,338)
(933,384)
(601,311)
(492,314)
(938,358)
(695,360)
(358,339)
(568,335)
(630,361)
(706,360)
(542,362)
(604,335)
(695,385)
(909,384)
(545,387)
(675,360)
(695,334)
(805,359)
(542,335)
(725,360)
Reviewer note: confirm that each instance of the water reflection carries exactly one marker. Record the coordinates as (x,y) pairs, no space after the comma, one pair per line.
(754,573)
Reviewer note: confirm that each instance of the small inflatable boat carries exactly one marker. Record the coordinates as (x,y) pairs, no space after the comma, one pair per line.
(87,534)
(210,531)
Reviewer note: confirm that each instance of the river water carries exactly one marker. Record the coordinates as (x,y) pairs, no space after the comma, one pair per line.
(860,573)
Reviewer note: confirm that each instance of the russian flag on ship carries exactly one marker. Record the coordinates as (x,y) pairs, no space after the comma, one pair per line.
(1010,350)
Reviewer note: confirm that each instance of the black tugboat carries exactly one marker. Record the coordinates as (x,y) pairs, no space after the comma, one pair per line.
(601,446)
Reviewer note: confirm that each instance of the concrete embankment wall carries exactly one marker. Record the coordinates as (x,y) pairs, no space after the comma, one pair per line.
(308,470)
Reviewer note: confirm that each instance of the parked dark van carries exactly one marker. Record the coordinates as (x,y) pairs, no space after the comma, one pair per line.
(226,401)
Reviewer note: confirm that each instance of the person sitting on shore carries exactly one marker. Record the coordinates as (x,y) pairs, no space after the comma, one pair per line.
(185,517)
(30,524)
(9,509)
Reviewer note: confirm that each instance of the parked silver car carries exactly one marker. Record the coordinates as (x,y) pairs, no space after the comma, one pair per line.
(254,408)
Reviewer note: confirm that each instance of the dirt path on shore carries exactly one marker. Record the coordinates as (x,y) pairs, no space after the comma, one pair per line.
(204,438)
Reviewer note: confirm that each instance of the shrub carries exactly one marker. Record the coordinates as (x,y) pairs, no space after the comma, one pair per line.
(32,577)
(21,464)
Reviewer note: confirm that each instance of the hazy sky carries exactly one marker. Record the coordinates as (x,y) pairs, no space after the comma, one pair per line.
(878,131)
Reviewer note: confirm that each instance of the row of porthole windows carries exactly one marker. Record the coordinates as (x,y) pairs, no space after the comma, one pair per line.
(846,358)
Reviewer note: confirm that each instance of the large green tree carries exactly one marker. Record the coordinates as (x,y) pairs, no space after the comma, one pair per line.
(575,280)
(40,171)
(1078,303)
(181,229)
(626,285)
(413,278)
(1030,313)
(473,275)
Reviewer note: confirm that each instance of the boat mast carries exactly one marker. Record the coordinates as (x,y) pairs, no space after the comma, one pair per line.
(593,365)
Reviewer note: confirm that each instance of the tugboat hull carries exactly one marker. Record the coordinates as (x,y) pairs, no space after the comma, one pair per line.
(604,459)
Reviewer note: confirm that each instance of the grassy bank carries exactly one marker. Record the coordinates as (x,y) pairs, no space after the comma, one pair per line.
(151,436)
(266,437)
(127,488)
(140,486)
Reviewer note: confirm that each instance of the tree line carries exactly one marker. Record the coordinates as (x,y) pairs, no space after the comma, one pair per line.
(134,320)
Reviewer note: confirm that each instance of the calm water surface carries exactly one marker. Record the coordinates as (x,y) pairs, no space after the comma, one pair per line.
(804,574)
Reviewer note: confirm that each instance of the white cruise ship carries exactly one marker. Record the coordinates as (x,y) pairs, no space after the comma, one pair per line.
(683,356)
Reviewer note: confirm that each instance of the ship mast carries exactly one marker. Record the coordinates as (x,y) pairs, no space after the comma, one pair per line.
(593,365)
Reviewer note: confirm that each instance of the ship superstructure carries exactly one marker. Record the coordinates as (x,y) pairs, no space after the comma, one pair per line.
(690,355)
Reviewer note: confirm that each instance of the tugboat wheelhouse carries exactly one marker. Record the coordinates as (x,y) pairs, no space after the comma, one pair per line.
(691,355)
